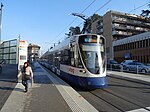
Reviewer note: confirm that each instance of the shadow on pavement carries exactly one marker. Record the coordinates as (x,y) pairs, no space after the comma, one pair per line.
(42,79)
(9,80)
(11,88)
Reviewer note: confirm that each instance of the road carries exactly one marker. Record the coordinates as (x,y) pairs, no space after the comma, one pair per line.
(122,94)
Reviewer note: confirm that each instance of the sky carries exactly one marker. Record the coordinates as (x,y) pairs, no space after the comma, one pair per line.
(43,22)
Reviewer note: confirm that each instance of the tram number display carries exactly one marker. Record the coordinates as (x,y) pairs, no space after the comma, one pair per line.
(71,70)
(90,39)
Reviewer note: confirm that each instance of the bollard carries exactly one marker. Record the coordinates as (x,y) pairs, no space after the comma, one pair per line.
(137,69)
(121,67)
(111,67)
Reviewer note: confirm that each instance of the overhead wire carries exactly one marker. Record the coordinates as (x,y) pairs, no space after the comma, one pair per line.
(93,13)
(77,17)
(74,20)
(132,10)
(138,7)
(127,12)
(71,23)
(103,6)
(99,8)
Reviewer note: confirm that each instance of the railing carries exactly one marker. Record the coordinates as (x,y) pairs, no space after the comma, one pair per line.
(124,69)
(0,69)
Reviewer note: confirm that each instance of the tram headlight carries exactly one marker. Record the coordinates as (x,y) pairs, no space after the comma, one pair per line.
(83,71)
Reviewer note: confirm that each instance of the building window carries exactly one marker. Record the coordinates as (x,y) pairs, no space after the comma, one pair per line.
(146,42)
(128,46)
(107,50)
(141,44)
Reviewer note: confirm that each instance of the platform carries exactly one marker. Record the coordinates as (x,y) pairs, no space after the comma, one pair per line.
(48,94)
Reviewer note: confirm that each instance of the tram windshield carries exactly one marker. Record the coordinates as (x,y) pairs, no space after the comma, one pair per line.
(92,51)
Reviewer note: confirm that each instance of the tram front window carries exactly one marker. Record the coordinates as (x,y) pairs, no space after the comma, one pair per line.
(92,57)
(92,52)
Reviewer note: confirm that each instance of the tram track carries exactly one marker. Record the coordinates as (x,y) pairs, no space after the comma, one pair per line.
(118,97)
(130,80)
(121,94)
(126,100)
(106,102)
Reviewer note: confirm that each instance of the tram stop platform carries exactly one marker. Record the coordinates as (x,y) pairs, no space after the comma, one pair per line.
(48,93)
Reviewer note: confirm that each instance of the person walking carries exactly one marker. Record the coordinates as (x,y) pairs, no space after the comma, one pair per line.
(27,75)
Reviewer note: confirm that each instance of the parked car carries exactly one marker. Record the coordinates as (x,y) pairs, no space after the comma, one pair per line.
(137,67)
(113,65)
(125,62)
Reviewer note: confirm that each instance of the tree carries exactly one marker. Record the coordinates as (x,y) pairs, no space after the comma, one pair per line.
(88,23)
(146,13)
(95,17)
(74,31)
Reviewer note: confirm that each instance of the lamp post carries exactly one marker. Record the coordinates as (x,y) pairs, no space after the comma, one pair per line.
(1,20)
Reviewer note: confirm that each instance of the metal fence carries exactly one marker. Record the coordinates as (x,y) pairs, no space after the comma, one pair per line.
(124,69)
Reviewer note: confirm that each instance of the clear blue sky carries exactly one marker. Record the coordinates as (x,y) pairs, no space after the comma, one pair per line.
(41,21)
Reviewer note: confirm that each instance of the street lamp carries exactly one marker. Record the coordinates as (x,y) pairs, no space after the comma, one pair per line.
(1,20)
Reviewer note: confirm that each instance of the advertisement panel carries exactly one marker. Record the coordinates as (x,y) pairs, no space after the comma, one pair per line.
(23,49)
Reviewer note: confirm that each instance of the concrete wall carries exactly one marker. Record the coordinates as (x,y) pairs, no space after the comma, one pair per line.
(107,32)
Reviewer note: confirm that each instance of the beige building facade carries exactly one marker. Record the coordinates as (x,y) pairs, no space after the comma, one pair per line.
(135,47)
(116,25)
(33,52)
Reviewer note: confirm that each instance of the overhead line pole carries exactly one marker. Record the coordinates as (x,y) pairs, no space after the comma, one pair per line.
(1,21)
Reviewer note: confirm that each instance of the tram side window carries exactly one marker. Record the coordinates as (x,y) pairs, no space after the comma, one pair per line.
(72,50)
(79,64)
(53,62)
(72,58)
(65,57)
(50,57)
(56,60)
(74,55)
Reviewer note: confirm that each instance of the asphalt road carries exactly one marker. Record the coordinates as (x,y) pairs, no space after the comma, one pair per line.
(121,95)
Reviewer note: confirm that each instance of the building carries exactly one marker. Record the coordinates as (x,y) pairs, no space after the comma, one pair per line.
(33,52)
(117,25)
(97,26)
(9,51)
(135,47)
(14,52)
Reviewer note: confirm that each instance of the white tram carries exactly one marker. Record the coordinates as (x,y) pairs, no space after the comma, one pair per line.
(80,59)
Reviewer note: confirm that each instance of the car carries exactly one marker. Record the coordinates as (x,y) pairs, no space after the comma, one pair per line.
(113,65)
(125,62)
(137,67)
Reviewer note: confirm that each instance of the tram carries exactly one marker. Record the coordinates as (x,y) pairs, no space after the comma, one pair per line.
(80,59)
